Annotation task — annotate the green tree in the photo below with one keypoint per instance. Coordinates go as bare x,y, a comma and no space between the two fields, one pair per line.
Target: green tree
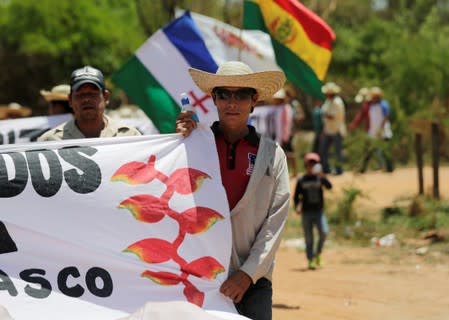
44,41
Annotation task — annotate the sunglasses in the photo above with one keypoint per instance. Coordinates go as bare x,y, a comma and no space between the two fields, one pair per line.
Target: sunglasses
239,95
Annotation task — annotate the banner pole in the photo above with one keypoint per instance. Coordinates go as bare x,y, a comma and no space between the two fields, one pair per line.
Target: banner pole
242,12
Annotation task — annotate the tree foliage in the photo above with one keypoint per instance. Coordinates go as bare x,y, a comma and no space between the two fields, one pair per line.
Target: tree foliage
43,41
402,49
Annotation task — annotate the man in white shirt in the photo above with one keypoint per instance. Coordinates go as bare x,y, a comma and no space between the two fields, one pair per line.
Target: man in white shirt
334,127
379,131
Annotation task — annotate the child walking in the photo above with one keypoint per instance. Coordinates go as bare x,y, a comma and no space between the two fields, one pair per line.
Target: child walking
309,203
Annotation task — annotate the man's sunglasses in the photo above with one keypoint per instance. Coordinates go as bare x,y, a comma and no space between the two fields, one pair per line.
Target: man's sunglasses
239,95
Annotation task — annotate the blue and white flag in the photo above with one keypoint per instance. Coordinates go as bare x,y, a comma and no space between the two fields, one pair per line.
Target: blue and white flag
156,75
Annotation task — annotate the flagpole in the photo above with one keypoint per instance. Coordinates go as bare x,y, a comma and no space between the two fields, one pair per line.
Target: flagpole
242,12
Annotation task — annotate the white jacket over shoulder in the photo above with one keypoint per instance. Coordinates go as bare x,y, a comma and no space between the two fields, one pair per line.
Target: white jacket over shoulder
259,217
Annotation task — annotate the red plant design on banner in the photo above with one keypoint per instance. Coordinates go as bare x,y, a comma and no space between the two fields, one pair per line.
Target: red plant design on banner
150,209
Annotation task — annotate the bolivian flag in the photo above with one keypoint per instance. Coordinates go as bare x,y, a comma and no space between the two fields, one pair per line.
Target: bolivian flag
302,41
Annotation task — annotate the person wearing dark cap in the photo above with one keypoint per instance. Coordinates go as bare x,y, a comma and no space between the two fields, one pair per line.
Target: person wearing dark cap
88,98
254,173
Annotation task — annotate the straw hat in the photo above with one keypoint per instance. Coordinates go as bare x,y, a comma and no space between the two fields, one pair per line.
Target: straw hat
238,74
362,95
58,93
376,92
14,110
330,88
280,94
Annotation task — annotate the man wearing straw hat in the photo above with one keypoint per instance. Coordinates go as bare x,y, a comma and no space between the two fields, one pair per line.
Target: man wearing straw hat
88,98
14,110
255,176
363,98
334,127
58,99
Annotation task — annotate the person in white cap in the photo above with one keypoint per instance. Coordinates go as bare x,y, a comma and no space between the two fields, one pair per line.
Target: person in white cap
378,131
288,126
255,176
363,98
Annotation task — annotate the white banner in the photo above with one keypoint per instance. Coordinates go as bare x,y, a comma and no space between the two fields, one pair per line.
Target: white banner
25,130
95,228
143,124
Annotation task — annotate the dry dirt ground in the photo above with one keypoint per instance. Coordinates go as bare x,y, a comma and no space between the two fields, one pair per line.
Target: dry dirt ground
366,283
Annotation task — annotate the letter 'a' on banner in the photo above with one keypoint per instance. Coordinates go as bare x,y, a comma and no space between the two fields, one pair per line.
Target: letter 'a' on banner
97,228
302,41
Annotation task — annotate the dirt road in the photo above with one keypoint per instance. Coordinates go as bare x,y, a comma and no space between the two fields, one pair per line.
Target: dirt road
366,283
359,284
